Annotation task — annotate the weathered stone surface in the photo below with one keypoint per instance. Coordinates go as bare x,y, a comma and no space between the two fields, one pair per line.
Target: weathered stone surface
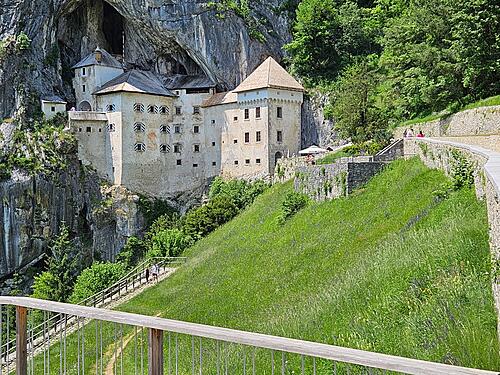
339,179
478,121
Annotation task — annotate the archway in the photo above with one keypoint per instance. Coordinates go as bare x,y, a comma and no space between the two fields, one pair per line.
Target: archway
85,106
277,157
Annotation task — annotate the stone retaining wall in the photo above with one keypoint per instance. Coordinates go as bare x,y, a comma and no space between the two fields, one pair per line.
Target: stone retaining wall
329,181
439,154
477,121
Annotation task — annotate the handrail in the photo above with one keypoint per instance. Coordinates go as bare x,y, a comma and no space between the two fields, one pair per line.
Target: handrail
102,295
301,347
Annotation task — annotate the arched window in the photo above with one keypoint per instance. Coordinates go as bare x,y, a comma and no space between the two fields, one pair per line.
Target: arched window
139,127
153,109
139,107
165,149
111,128
164,110
110,108
139,147
277,157
165,129
85,106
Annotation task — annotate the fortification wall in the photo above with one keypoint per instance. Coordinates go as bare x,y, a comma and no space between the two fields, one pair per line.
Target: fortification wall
486,164
477,121
330,181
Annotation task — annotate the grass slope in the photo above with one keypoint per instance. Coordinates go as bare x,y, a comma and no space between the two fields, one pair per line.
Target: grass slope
387,270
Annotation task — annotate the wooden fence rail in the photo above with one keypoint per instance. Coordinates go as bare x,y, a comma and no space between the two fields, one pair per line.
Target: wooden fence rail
158,326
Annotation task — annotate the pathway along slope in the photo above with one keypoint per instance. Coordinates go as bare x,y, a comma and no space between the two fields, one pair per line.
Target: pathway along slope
486,163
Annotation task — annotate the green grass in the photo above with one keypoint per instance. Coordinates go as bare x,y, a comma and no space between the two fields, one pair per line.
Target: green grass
488,102
330,158
388,269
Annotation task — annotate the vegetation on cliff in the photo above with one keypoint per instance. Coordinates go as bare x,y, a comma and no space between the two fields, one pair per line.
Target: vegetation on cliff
386,61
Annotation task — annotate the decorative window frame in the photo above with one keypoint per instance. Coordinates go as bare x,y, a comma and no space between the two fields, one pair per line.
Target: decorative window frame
139,107
140,147
139,127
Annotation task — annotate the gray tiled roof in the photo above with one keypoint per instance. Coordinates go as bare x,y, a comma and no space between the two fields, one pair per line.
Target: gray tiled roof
107,60
135,81
188,82
53,99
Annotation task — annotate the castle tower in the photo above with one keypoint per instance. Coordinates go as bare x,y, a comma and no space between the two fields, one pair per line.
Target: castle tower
92,72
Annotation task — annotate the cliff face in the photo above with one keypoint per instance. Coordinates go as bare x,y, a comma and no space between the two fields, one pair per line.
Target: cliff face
164,36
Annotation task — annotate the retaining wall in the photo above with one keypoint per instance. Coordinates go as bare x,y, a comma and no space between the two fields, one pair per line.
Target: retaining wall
477,121
339,179
438,154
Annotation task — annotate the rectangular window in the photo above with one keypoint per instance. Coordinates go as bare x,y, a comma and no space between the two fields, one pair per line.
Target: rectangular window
279,136
83,88
279,112
196,148
178,111
236,162
257,161
214,164
257,112
177,129
84,72
179,162
195,165
247,114
53,109
247,137
235,141
89,129
196,129
177,148
247,161
213,144
213,122
235,118
196,110
258,137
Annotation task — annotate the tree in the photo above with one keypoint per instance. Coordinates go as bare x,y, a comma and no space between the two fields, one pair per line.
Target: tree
63,265
327,37
353,104
169,243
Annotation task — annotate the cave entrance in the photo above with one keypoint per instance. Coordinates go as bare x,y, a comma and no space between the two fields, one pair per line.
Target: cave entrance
112,28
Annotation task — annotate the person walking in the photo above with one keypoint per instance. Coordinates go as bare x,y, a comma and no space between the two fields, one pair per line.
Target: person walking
147,275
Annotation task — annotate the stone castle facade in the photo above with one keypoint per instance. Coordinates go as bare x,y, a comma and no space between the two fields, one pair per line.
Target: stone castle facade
162,138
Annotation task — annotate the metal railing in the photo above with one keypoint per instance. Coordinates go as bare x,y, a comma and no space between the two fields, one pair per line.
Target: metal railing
52,323
125,343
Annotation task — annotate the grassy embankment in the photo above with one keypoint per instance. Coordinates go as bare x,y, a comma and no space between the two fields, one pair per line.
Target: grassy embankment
388,269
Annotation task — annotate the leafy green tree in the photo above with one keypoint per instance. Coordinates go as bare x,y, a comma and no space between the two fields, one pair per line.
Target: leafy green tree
45,287
354,104
133,250
327,36
169,242
241,192
96,278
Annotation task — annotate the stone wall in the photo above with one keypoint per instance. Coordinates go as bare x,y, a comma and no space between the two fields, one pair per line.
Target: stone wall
339,179
477,121
438,154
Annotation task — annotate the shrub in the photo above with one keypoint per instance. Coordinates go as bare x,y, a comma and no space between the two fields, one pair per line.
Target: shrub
203,220
45,286
292,204
23,42
169,242
96,278
241,192
133,250
462,170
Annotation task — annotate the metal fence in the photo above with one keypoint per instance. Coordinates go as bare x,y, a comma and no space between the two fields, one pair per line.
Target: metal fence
48,326
112,342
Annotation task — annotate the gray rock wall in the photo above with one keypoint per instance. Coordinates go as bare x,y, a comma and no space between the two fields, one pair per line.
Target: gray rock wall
477,121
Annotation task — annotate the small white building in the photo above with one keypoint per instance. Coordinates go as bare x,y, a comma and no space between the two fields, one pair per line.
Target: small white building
52,105
163,138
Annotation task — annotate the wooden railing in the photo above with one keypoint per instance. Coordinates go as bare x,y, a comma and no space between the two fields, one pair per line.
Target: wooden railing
53,323
181,347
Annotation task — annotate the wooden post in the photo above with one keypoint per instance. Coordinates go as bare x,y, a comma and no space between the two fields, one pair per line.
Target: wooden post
21,341
155,352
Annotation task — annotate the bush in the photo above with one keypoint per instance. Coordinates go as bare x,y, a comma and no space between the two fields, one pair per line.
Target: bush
96,278
292,204
133,250
462,171
169,243
241,192
205,219
45,286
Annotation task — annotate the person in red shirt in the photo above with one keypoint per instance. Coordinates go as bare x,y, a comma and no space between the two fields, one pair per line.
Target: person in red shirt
420,134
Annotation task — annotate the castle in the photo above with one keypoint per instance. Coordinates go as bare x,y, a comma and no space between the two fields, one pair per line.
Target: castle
164,138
